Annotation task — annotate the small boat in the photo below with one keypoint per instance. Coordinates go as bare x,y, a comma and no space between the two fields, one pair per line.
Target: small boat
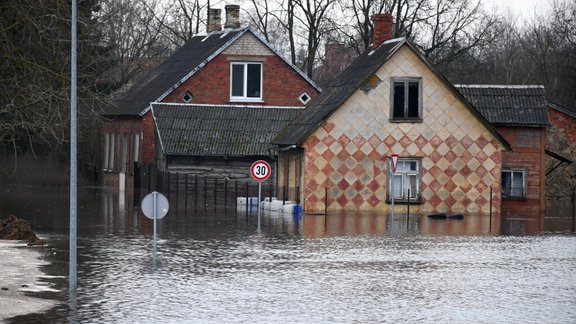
438,216
456,216
444,216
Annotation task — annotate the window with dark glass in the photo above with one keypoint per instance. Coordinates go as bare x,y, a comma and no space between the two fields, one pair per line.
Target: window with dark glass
513,183
406,99
246,81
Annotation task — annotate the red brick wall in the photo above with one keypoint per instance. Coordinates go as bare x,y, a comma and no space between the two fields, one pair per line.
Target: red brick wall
564,122
528,145
147,146
211,85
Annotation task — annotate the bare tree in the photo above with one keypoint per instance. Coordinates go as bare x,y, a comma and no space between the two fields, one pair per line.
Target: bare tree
132,30
314,16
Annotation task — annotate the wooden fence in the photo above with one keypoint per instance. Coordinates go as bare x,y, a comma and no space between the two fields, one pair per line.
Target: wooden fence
561,212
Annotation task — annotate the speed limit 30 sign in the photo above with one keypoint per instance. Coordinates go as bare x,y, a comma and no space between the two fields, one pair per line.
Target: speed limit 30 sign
260,170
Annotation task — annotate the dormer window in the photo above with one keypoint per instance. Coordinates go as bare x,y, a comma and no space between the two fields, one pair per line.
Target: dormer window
245,81
187,96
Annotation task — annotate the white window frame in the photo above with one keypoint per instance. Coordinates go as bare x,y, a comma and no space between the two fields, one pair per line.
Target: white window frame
304,101
406,81
402,192
106,151
187,93
112,156
244,97
512,171
136,149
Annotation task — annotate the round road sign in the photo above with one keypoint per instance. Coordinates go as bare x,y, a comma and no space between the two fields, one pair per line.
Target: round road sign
162,205
260,170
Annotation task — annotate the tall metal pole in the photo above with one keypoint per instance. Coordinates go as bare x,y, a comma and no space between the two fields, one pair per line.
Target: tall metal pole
392,198
73,156
259,203
155,216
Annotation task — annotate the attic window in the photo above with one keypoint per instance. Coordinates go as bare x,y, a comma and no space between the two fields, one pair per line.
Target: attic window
187,96
304,98
246,81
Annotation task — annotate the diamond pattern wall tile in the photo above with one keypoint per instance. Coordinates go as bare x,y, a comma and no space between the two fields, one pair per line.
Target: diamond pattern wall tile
461,160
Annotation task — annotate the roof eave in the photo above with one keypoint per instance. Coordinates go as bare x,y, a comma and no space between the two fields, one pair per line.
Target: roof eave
302,138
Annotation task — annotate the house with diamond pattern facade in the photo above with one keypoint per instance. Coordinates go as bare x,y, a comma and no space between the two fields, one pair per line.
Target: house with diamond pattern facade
391,101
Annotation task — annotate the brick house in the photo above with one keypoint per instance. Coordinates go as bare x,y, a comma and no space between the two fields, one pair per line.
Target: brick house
561,174
223,69
519,113
391,101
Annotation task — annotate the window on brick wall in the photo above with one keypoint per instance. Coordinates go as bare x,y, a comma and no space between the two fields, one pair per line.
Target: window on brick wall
106,151
406,101
112,155
407,180
245,81
514,183
136,149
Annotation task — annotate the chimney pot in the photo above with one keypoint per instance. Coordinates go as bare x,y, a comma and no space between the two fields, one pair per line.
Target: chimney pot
214,20
383,29
232,16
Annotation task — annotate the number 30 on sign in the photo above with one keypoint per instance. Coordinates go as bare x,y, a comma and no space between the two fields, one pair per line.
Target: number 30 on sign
260,170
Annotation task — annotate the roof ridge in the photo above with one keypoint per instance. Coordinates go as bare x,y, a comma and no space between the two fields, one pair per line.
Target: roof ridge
222,105
499,86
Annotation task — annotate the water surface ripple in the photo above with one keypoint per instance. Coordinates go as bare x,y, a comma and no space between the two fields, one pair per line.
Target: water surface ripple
353,279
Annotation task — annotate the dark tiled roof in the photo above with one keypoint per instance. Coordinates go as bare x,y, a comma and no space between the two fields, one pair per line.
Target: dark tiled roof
335,94
571,112
190,56
508,105
209,130
348,82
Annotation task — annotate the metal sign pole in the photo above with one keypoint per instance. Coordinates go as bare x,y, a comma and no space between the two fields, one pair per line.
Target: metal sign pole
155,198
73,268
259,202
392,198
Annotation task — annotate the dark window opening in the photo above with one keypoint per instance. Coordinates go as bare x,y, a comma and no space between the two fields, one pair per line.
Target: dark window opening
406,99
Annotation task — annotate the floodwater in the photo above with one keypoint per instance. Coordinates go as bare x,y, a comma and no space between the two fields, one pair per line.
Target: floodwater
216,266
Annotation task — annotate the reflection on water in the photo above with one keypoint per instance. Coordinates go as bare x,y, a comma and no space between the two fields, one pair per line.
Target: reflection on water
214,266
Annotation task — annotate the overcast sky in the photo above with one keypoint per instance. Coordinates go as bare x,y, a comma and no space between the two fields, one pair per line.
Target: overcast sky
525,9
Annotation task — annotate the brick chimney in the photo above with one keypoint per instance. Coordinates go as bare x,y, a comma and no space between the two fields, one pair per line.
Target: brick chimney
232,16
214,20
383,29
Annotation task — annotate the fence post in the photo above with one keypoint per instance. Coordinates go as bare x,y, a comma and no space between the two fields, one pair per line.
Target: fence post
225,193
205,185
247,199
215,191
195,191
186,193
271,193
325,200
573,209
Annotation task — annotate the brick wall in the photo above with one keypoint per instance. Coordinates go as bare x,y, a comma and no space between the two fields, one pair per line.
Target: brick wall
148,144
282,86
528,144
564,122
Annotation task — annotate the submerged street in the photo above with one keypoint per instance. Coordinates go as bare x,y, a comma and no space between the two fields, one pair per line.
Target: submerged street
215,266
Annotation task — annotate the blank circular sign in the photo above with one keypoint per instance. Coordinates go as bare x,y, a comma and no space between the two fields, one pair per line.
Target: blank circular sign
162,205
